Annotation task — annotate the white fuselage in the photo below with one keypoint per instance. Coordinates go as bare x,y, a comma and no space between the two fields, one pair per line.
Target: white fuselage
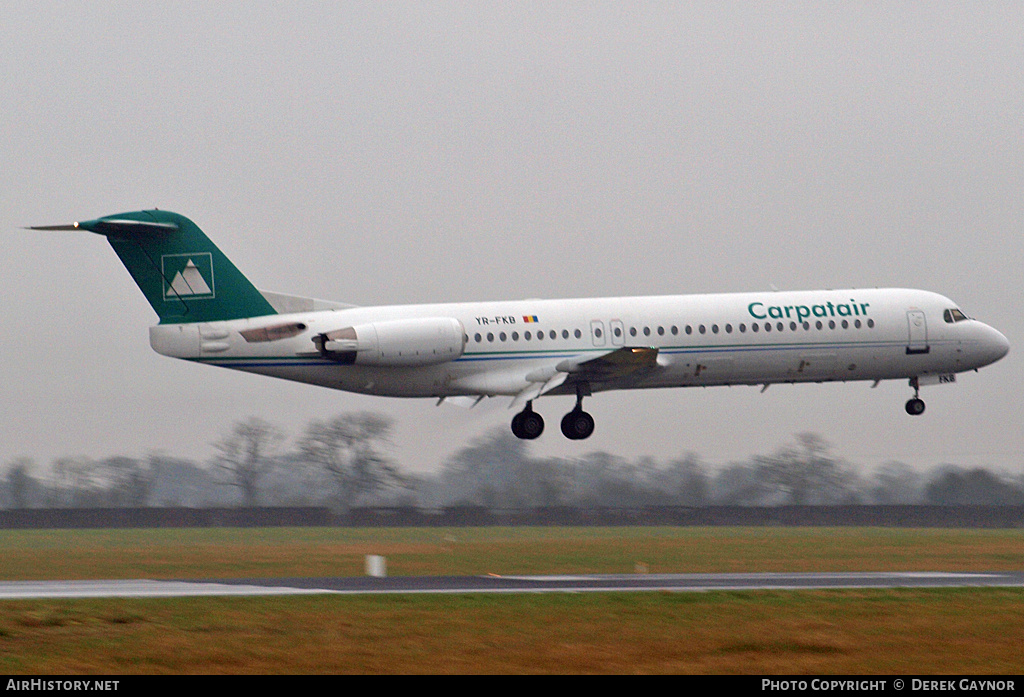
506,346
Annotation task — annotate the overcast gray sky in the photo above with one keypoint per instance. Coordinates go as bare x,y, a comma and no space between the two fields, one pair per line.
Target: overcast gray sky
399,152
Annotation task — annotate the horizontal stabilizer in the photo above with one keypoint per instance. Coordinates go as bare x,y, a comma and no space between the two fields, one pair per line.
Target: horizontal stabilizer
72,226
114,227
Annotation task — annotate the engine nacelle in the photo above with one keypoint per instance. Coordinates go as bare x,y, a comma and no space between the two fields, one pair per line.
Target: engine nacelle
400,342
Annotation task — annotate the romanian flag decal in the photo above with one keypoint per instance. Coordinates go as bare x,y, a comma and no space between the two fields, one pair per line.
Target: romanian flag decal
529,319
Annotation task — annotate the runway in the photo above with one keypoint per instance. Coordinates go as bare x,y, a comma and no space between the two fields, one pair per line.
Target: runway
367,585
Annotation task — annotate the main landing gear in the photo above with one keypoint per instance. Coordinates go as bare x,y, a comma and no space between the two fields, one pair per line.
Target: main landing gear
915,405
527,424
576,425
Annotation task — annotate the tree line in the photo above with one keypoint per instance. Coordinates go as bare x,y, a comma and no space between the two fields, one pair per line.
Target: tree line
343,463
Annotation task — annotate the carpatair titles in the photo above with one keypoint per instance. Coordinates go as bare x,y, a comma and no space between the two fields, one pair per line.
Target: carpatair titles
759,310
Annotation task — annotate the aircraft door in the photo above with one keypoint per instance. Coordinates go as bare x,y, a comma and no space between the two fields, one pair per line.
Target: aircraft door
917,332
618,332
597,332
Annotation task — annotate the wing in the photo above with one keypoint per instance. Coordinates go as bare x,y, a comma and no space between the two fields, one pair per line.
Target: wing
616,365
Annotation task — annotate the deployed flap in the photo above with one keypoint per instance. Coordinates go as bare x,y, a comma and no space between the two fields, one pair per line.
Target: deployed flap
536,389
611,365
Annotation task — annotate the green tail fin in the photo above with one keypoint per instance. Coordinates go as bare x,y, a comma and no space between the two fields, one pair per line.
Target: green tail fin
182,273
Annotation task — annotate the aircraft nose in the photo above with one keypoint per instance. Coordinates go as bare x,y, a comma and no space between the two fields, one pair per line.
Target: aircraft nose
994,344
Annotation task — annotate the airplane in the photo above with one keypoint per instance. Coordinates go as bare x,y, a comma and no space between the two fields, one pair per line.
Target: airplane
524,349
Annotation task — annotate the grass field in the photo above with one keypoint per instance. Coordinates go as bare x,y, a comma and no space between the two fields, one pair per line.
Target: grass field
897,631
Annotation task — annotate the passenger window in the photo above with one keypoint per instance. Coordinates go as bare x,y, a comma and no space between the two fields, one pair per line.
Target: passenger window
565,333
478,338
578,333
502,336
675,330
515,336
661,331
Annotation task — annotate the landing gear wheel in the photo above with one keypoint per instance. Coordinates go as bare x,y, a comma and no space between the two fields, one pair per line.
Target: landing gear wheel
577,425
915,406
527,424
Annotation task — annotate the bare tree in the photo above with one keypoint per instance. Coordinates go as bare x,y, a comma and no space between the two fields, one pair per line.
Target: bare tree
496,470
128,482
685,481
603,479
956,486
246,455
738,484
806,472
74,481
896,483
348,449
179,482
20,483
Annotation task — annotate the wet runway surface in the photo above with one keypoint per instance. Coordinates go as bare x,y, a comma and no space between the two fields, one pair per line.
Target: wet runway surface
140,588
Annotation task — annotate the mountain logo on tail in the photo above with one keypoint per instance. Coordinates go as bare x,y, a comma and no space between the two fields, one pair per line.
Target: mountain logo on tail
188,276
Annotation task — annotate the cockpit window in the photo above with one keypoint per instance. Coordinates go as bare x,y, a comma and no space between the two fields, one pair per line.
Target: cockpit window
953,315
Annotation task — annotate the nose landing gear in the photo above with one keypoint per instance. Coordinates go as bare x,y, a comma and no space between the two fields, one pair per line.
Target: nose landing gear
915,405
